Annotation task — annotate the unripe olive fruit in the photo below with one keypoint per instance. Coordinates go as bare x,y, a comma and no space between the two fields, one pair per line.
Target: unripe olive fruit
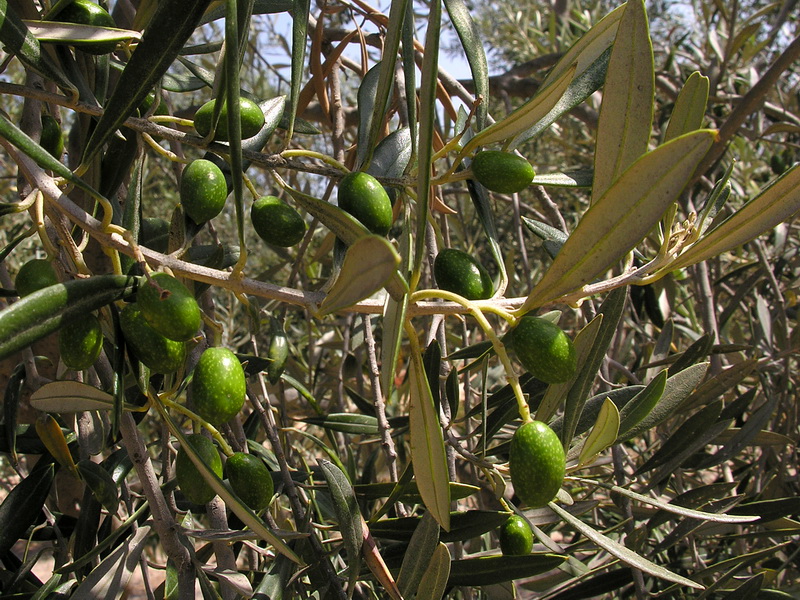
250,480
276,222
218,386
190,481
537,463
516,537
35,275
502,172
159,354
458,272
251,118
361,195
84,12
80,342
169,307
544,350
203,190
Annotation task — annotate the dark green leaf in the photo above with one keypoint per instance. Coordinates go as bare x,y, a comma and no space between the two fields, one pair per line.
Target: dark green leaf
641,405
347,513
11,400
553,238
100,482
391,157
487,570
153,56
22,506
463,526
424,542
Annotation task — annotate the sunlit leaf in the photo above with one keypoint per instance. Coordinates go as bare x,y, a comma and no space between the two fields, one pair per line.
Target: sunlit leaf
70,396
348,515
626,114
476,55
369,263
603,433
417,558
621,552
427,446
435,579
622,217
690,107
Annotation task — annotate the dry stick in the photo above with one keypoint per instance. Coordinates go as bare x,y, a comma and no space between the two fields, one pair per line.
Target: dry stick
387,443
706,298
165,525
298,510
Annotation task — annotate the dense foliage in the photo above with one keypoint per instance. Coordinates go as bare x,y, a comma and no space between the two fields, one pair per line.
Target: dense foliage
233,365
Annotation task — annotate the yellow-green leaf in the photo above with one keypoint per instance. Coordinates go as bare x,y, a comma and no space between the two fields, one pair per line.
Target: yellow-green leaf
434,581
369,263
427,446
589,46
603,434
525,116
690,106
55,31
70,396
626,114
770,208
623,216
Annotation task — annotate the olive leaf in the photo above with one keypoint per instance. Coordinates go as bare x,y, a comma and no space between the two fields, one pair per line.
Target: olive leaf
71,396
621,552
603,434
54,31
626,113
418,556
370,262
690,107
771,207
427,446
435,580
23,504
619,220
486,570
348,515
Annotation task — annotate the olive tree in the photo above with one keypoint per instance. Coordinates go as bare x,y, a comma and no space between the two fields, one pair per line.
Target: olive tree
289,311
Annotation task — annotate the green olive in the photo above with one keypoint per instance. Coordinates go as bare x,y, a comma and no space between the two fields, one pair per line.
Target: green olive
458,272
169,307
218,386
361,195
203,190
251,118
502,172
35,275
544,350
537,463
190,481
276,222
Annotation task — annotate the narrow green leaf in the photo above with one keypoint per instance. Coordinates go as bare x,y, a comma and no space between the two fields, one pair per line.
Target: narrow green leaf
260,7
677,389
100,482
169,28
690,107
674,508
348,515
622,217
556,392
23,504
427,118
476,56
770,208
366,107
637,409
385,82
391,157
699,349
627,556
488,570
394,316
436,577
603,434
485,211
418,555
301,10
527,115
369,264
355,424
11,400
611,309
626,113
20,42
684,437
45,311
720,383
580,88
589,46
749,589
427,446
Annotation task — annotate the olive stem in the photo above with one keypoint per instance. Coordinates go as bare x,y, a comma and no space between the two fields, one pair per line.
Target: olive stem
160,402
475,310
162,151
450,177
